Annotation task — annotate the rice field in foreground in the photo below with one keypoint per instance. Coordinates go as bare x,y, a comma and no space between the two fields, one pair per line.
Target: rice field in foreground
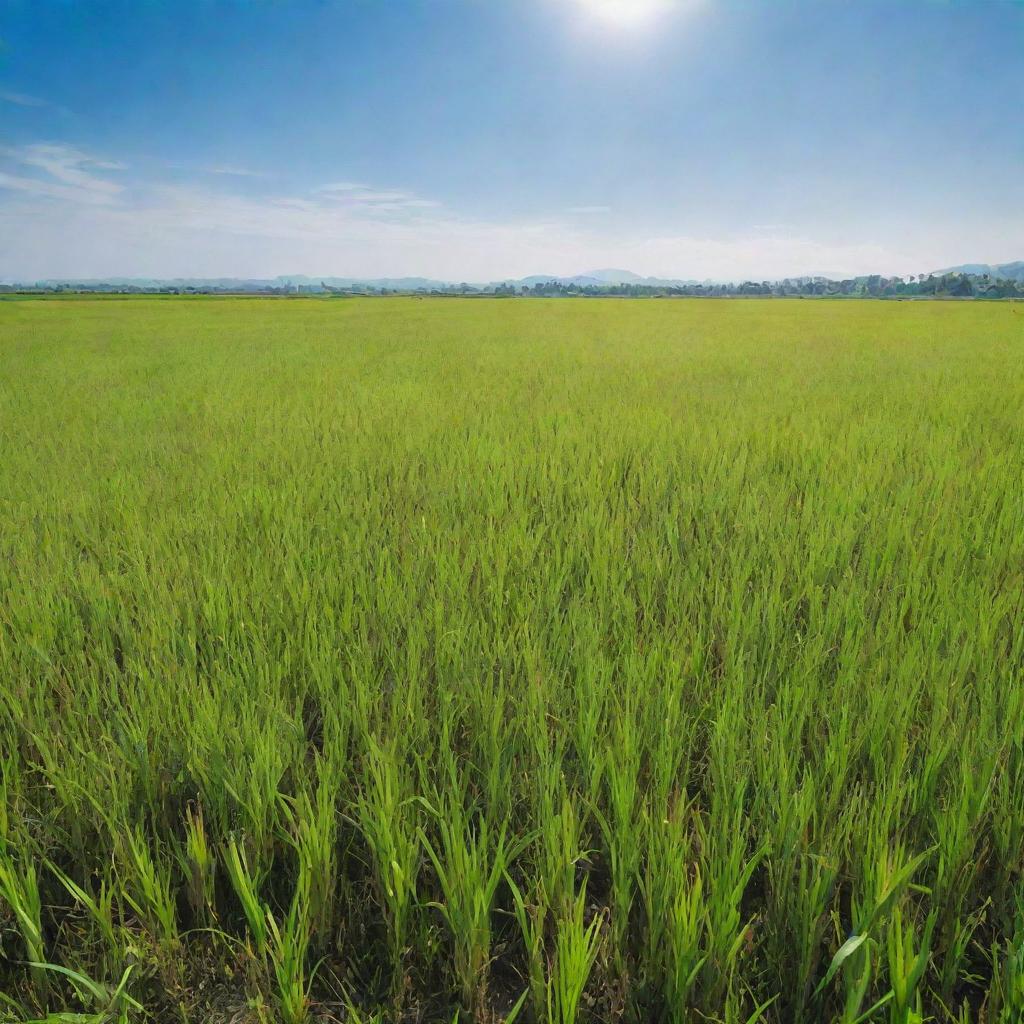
403,660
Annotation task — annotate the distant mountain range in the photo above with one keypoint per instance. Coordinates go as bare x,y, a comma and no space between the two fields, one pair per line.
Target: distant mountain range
596,278
404,284
1004,271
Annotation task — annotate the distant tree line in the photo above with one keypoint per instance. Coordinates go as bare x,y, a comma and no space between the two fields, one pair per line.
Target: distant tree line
873,286
966,286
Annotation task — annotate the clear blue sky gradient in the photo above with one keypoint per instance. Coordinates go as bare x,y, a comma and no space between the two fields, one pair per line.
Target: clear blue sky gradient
503,138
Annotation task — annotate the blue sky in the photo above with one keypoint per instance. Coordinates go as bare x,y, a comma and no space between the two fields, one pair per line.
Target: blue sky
479,140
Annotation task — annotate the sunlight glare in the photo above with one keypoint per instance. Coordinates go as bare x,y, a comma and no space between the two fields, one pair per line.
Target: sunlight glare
625,13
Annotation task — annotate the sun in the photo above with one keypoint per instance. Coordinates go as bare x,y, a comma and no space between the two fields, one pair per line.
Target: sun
625,13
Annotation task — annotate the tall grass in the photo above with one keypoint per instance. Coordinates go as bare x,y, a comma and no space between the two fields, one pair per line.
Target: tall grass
602,661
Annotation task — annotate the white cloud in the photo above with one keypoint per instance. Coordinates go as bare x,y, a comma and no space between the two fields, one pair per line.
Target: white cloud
343,186
68,173
233,171
19,183
356,195
587,210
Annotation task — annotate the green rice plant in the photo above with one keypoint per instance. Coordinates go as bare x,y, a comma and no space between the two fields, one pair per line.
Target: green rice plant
810,890
198,862
10,778
19,887
576,946
958,824
727,870
495,746
312,825
241,765
854,957
685,960
386,812
675,914
282,948
736,1010
248,895
1005,1002
1006,823
110,1003
531,914
287,949
559,846
147,888
556,854
101,909
621,833
888,873
470,859
907,967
